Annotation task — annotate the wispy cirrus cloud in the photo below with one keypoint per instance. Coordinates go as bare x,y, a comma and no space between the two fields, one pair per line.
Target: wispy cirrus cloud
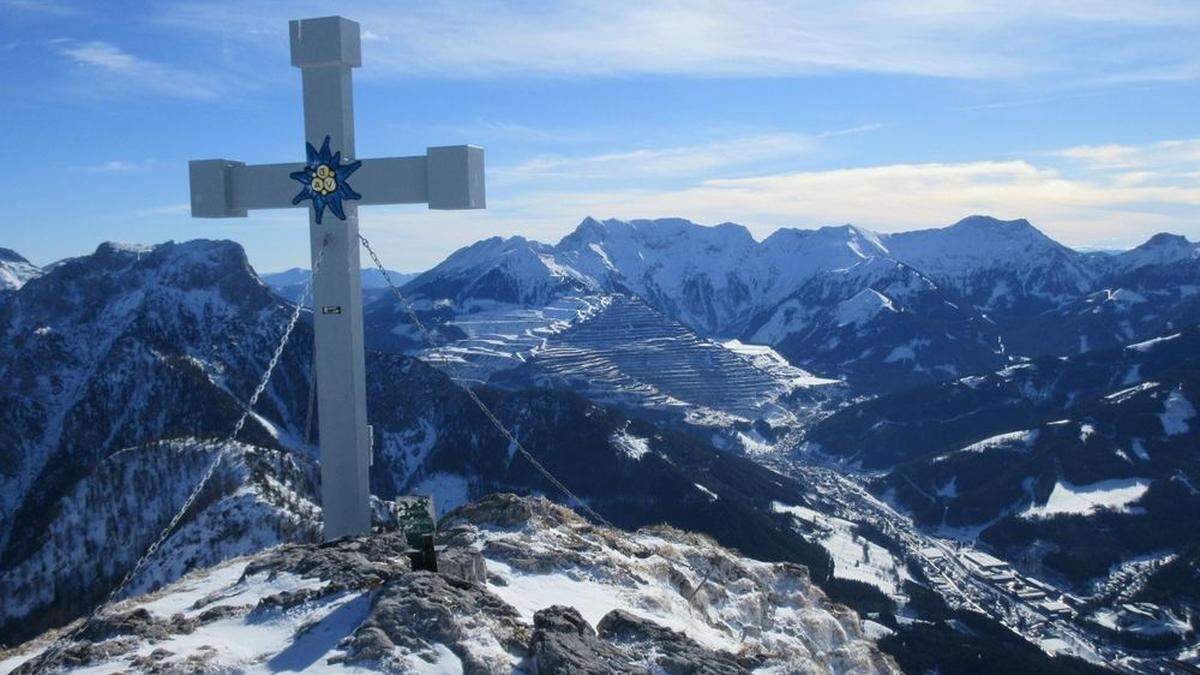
668,162
111,72
1092,41
754,151
38,7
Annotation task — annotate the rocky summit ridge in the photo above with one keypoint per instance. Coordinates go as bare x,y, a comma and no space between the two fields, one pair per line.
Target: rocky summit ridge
524,586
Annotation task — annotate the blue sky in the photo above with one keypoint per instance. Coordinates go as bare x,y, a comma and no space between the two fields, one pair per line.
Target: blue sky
1082,116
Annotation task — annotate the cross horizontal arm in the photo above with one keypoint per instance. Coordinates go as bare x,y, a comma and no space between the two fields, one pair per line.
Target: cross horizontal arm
447,177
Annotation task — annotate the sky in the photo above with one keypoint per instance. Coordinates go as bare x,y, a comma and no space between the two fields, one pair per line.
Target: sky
1083,117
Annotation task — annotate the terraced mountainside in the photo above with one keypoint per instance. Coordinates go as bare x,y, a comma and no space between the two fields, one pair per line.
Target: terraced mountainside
627,352
613,348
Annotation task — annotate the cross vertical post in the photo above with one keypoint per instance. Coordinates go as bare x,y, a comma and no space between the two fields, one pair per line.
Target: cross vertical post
325,50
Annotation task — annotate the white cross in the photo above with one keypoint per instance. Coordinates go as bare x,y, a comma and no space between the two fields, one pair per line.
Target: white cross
448,177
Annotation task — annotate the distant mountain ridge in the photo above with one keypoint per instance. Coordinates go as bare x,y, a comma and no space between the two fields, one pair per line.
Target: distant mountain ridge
289,283
959,299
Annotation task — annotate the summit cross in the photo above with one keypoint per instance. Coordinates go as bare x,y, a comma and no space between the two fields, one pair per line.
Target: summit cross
331,183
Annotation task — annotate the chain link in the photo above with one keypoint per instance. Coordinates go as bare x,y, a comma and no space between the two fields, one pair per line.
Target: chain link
462,384
247,410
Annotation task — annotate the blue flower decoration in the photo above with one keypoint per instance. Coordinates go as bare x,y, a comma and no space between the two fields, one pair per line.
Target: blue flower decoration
324,179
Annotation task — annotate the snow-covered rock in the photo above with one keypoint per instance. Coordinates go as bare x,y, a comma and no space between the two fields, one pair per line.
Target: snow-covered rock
560,596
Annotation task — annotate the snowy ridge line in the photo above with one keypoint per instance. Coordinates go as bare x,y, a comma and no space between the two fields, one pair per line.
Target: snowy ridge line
57,646
508,435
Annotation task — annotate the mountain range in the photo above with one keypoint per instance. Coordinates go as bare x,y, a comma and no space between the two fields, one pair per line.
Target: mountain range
882,312
989,385
112,352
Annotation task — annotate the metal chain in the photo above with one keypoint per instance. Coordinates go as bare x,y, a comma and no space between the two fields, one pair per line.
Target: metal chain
247,410
462,384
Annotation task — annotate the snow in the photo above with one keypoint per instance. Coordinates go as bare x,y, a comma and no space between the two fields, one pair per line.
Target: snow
1012,440
1123,296
950,489
875,630
632,446
862,308
1139,449
1125,394
1151,344
712,496
687,585
301,638
767,359
1086,431
15,274
441,662
992,257
853,556
1177,410
788,317
1141,619
528,593
1109,495
449,491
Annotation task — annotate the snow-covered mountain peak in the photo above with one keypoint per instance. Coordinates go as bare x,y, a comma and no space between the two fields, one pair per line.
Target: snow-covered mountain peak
982,223
9,255
997,264
15,270
980,239
806,252
1161,249
497,270
1166,239
119,247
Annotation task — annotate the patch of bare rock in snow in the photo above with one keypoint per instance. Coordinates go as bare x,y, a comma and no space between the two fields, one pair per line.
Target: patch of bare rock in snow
524,586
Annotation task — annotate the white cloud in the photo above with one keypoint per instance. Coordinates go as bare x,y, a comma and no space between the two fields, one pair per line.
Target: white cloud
115,73
1174,155
1096,40
111,166
671,162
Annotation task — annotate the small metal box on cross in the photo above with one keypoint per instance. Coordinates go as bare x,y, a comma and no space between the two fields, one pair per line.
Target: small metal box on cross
332,181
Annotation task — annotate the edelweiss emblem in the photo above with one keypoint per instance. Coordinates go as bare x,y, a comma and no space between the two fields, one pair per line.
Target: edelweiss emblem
324,180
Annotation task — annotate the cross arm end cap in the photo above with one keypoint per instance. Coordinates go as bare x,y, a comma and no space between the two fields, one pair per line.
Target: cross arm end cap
326,41
211,186
455,177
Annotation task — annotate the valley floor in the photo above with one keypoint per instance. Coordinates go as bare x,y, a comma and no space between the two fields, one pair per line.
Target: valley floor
962,575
